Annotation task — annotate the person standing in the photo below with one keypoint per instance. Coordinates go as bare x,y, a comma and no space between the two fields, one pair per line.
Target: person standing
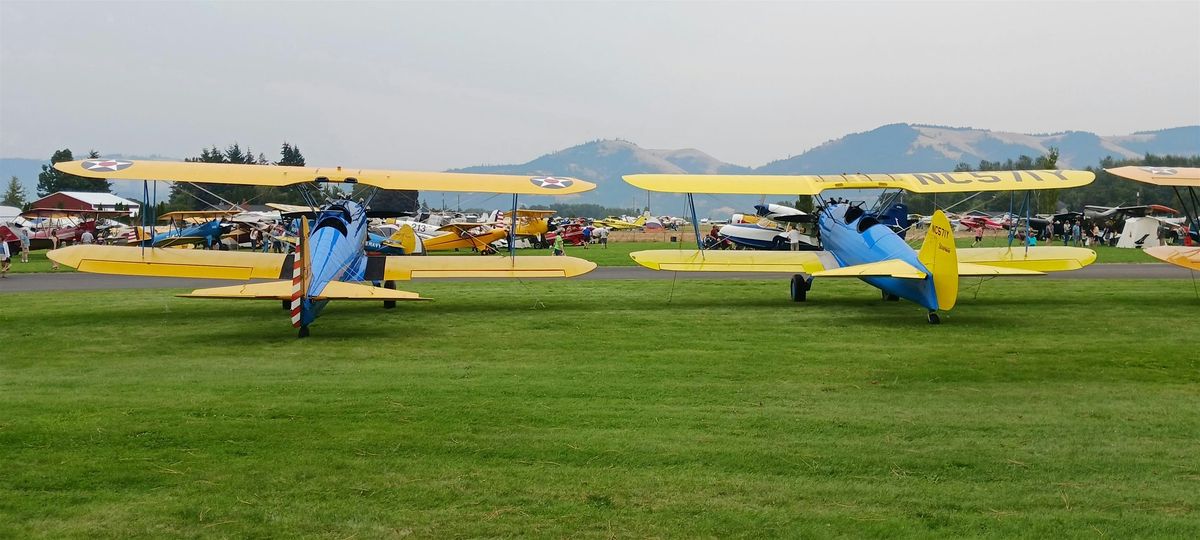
5,259
1076,232
23,235
587,236
87,237
53,246
558,245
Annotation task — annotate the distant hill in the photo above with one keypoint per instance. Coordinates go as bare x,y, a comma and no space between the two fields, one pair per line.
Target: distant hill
890,148
604,162
915,147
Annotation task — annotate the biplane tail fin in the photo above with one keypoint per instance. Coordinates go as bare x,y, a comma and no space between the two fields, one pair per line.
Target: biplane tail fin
407,239
300,267
940,257
140,234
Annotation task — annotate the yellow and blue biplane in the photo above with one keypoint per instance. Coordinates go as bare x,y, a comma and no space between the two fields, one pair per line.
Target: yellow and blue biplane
330,262
1174,177
185,228
855,243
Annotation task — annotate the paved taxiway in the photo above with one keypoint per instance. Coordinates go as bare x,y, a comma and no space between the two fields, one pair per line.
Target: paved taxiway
76,281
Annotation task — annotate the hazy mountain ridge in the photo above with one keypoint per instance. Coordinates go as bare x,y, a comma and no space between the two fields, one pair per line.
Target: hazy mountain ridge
889,148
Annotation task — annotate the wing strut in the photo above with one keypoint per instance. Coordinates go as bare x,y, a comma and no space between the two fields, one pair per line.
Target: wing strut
512,230
695,223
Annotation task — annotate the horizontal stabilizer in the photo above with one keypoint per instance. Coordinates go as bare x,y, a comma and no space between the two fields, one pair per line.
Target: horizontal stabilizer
537,266
189,263
890,268
976,270
691,260
282,290
1036,258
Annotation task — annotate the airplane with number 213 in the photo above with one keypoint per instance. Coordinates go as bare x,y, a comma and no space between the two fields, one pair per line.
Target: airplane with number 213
330,260
856,245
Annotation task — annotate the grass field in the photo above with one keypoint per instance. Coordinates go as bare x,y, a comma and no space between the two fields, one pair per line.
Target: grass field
605,408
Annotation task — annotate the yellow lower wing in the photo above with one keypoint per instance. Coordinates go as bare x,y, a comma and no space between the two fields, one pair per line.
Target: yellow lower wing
1038,258
976,270
890,268
405,268
1187,257
136,261
691,260
282,290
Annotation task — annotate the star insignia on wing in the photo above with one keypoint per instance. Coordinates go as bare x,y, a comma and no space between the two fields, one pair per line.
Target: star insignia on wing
110,165
551,182
1162,171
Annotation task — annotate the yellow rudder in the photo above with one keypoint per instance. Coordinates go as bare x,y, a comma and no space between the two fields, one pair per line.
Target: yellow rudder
940,257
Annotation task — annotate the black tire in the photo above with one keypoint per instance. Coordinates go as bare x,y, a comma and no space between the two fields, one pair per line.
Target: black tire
389,304
304,331
287,305
799,288
887,297
933,318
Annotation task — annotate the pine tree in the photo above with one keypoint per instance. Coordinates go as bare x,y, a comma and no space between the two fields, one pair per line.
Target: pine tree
15,194
52,180
290,156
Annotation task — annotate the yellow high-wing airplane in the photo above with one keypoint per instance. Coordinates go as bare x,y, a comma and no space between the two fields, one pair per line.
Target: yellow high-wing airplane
330,261
618,224
1176,178
474,236
858,245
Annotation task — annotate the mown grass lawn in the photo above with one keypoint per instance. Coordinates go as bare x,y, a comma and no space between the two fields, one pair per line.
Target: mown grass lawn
605,408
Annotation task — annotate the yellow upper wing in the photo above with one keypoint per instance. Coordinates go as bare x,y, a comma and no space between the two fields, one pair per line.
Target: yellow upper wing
271,175
1160,176
135,261
750,184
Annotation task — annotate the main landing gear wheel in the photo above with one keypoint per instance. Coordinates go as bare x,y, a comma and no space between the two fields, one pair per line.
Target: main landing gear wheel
933,318
287,304
889,297
800,286
389,304
304,331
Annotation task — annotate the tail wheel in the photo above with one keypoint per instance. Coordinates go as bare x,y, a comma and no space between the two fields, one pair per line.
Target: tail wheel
800,287
933,318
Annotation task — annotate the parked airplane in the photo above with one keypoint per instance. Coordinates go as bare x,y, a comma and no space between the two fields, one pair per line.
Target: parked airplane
1187,178
857,245
763,233
618,224
330,258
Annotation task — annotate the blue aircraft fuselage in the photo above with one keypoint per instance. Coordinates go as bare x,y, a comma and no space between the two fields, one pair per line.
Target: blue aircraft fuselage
210,231
335,249
853,238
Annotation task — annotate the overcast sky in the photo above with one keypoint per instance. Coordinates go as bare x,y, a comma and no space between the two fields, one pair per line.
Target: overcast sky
434,86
